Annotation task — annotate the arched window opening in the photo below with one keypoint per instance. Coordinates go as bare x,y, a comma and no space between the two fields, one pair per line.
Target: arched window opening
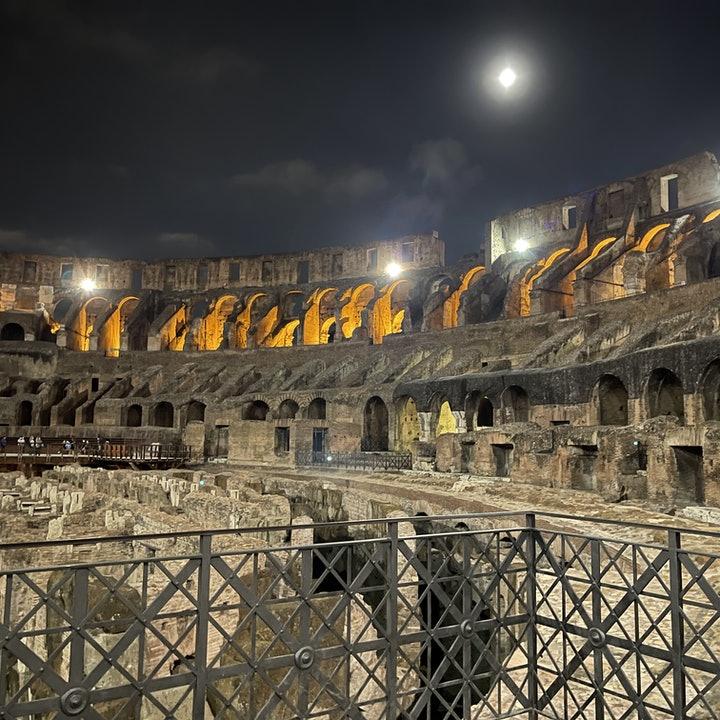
408,423
479,411
665,394
516,404
612,398
13,332
164,415
255,410
196,411
133,417
485,413
288,409
25,413
446,422
317,409
375,425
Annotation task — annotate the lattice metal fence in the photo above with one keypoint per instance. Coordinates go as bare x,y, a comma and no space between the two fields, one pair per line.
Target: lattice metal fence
485,616
355,461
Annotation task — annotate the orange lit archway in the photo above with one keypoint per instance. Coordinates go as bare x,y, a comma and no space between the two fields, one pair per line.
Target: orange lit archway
712,216
649,236
213,324
532,274
82,327
110,334
451,306
317,318
244,319
387,319
356,300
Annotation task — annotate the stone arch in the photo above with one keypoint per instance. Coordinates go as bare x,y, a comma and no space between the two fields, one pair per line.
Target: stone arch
12,331
710,391
612,400
713,262
531,275
212,331
664,394
479,411
442,417
328,331
245,320
319,316
113,326
652,239
714,214
84,323
387,316
133,416
408,423
515,404
288,409
255,410
24,414
317,409
196,411
451,306
60,309
356,300
164,414
376,430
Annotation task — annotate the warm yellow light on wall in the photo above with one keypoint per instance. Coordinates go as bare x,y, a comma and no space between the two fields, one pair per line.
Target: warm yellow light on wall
711,216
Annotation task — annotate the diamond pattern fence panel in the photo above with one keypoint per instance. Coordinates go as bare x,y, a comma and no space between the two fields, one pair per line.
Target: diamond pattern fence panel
480,617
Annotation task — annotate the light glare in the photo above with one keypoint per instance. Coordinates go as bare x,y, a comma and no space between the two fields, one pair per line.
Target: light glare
507,77
87,284
393,269
521,245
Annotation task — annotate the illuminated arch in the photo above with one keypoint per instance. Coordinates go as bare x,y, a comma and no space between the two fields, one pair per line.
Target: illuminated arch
599,247
244,320
316,321
649,236
110,334
357,300
712,216
284,337
408,423
451,306
212,330
532,274
386,319
82,327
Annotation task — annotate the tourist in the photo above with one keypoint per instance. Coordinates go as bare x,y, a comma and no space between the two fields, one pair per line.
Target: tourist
3,442
31,444
21,444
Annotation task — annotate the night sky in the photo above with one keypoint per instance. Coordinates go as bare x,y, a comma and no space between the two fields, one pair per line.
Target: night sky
156,129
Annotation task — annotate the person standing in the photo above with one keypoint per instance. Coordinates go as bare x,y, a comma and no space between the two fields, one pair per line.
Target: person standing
21,444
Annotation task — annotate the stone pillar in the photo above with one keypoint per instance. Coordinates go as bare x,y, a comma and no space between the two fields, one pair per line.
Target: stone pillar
425,422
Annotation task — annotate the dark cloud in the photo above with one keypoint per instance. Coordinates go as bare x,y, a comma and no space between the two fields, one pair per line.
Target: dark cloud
302,176
155,128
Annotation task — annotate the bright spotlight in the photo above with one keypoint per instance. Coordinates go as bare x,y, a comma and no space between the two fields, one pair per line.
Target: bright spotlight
393,269
88,285
507,77
521,245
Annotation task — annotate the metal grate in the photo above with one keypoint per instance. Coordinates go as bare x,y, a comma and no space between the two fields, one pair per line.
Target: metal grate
484,616
355,461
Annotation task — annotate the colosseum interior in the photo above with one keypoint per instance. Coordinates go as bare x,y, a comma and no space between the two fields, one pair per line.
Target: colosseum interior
572,372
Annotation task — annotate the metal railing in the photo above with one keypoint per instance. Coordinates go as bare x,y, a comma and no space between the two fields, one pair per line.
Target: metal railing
483,616
87,453
355,461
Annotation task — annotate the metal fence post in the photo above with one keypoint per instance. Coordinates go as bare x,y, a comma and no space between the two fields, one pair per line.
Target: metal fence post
391,622
678,626
597,620
203,622
531,558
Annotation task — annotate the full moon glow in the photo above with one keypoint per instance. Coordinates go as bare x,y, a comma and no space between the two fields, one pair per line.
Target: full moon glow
507,77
